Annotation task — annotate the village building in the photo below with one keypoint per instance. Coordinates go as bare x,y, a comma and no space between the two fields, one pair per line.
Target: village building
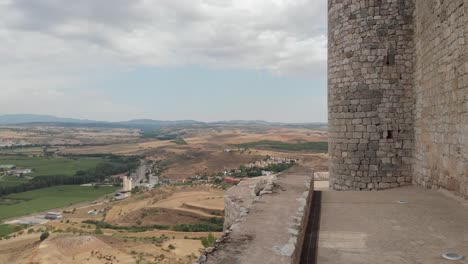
54,215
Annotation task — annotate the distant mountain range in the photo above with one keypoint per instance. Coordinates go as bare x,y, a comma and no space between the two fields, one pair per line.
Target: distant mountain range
28,118
31,119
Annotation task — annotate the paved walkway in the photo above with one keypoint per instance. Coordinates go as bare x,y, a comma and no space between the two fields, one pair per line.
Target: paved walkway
371,227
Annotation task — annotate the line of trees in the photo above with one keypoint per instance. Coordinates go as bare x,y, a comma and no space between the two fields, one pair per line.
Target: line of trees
257,171
210,225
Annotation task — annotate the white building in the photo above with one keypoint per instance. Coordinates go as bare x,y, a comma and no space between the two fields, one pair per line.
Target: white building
53,215
127,184
7,167
19,172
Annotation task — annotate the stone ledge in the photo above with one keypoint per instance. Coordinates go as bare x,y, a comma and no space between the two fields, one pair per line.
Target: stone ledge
266,220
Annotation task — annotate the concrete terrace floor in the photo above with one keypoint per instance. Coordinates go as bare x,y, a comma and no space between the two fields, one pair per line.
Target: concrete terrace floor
371,227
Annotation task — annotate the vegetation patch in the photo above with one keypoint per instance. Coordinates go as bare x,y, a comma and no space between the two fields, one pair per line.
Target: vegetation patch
208,241
44,166
257,171
179,141
104,225
158,134
321,147
50,198
6,230
211,225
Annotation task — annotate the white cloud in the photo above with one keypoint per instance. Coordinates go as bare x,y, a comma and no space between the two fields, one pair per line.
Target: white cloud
280,36
47,43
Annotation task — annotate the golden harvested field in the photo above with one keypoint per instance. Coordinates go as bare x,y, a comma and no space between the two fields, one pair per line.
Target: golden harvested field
122,245
67,248
43,135
168,206
118,149
227,137
184,247
197,202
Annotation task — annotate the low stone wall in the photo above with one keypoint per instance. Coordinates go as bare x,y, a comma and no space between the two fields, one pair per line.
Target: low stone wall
238,199
321,176
265,220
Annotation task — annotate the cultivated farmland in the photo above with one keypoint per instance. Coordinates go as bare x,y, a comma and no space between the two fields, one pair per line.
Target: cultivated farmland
50,198
52,166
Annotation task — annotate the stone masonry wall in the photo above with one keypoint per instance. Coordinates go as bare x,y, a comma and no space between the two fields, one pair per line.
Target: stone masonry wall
441,91
238,199
370,93
266,220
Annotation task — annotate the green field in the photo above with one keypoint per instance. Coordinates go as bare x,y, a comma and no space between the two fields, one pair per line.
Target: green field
179,141
50,198
43,166
52,166
5,230
300,146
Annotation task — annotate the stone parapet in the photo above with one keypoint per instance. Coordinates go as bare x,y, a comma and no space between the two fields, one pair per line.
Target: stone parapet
266,220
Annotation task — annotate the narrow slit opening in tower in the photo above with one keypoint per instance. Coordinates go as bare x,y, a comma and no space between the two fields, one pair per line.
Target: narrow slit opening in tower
389,134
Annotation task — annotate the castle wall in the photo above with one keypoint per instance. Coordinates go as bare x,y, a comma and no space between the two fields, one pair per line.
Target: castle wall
370,93
441,92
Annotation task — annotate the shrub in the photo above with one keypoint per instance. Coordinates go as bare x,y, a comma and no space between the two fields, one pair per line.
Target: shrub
208,241
44,236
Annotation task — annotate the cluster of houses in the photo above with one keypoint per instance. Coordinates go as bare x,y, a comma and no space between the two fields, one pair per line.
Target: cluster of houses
10,169
270,161
234,150
227,174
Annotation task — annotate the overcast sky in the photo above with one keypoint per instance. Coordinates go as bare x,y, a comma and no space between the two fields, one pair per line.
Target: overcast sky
164,59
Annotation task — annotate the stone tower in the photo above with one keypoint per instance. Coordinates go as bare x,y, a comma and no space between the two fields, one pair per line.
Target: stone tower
370,93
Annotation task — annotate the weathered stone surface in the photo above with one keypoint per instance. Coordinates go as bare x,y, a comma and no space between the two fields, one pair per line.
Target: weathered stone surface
274,228
371,50
398,94
238,199
441,90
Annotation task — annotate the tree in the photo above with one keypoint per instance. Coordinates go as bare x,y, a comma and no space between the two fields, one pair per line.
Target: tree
44,236
98,231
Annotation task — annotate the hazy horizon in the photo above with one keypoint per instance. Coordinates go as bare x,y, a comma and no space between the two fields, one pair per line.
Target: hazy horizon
163,120
201,60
